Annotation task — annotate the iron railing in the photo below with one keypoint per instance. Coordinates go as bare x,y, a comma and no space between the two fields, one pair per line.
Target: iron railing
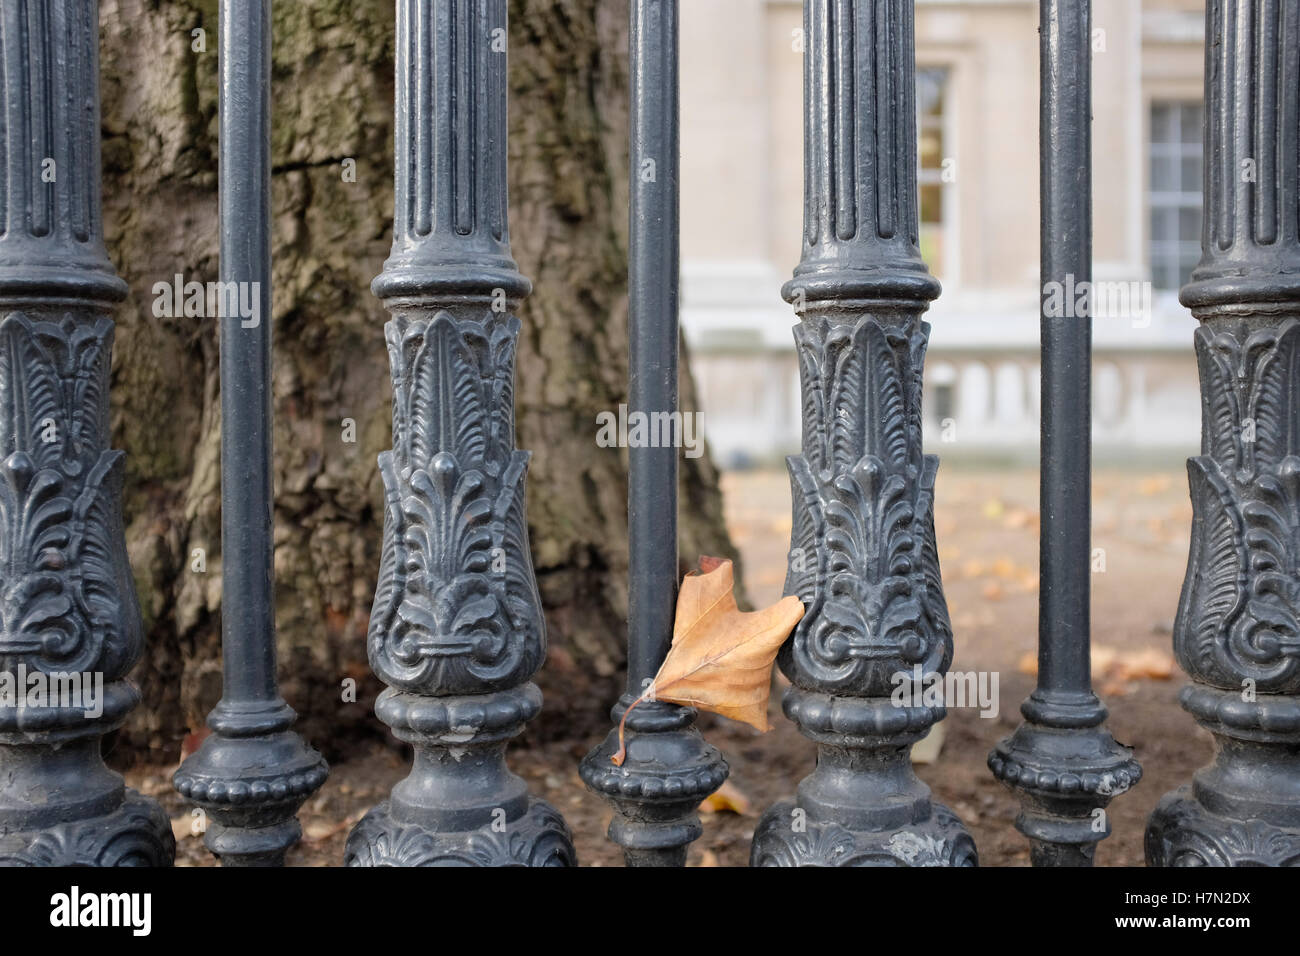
457,630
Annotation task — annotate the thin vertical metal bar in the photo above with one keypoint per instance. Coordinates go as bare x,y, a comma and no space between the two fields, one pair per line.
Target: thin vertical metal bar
653,260
1065,186
253,773
1237,630
247,509
669,768
863,558
456,630
1064,764
68,600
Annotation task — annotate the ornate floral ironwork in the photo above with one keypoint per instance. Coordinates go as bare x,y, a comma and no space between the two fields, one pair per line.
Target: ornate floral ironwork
1237,633
456,609
68,608
862,551
456,629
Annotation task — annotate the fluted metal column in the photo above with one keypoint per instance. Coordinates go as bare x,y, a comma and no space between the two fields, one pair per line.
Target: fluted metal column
863,556
253,772
1062,761
68,611
1237,632
669,768
457,629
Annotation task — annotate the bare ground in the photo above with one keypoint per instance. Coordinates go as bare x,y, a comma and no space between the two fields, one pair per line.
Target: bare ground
987,525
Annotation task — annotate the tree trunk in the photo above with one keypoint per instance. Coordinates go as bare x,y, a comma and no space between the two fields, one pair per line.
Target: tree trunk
332,103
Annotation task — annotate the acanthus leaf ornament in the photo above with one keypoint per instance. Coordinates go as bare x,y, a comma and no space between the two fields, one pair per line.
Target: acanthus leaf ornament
456,629
862,550
457,610
68,606
65,603
1237,631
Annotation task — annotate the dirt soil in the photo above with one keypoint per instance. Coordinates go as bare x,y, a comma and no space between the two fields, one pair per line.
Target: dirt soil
987,527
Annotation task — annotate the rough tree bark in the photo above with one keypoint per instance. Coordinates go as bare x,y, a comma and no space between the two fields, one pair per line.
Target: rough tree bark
332,98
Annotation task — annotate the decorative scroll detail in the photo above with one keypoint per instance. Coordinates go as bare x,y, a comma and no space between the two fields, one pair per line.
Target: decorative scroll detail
1239,615
67,598
1237,633
137,834
862,550
456,610
67,602
539,838
940,841
863,559
456,629
1183,833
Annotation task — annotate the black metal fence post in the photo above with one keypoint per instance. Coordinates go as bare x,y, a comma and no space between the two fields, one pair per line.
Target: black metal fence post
1237,632
253,772
1062,761
69,621
863,556
669,768
457,629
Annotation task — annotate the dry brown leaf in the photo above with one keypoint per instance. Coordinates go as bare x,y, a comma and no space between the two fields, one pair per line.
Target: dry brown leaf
1028,664
1148,663
1154,486
721,657
1004,568
182,827
727,798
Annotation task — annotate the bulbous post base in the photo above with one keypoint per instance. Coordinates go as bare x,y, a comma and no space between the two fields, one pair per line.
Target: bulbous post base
538,837
60,805
1181,832
656,793
1243,809
863,805
1065,777
788,836
250,776
460,805
137,833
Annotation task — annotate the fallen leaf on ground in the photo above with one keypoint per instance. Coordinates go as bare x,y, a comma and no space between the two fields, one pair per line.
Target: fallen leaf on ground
183,826
721,657
1149,663
1154,486
1114,668
927,749
1019,519
1004,567
727,798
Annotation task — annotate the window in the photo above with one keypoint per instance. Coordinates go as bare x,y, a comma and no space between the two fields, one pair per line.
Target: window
931,90
1175,192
